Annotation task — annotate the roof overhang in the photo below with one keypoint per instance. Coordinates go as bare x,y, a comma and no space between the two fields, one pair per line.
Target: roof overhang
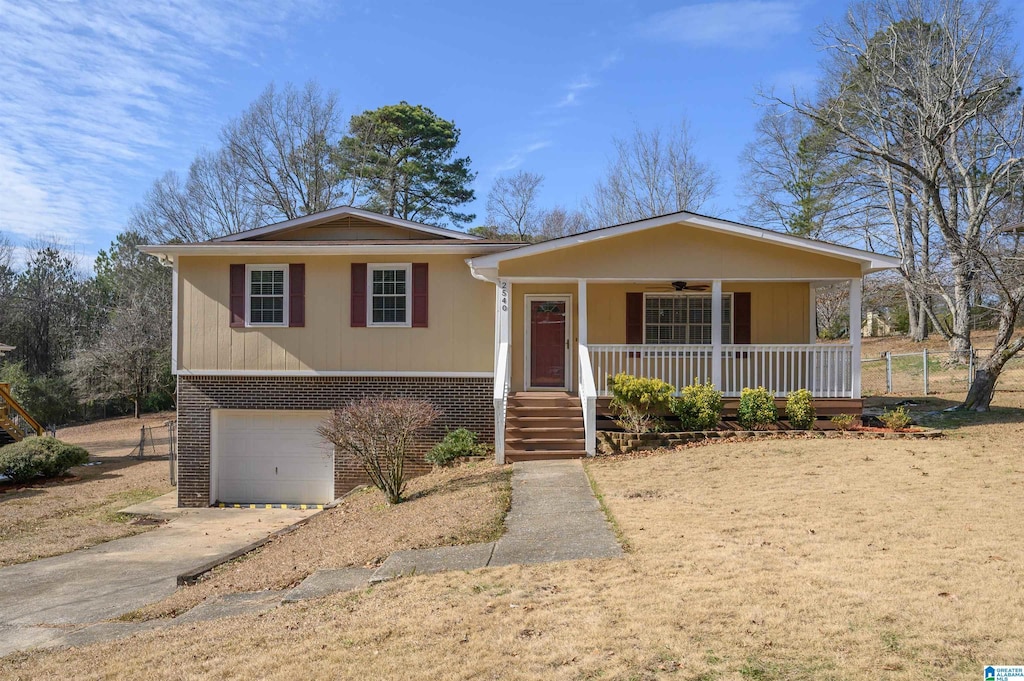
170,252
487,266
333,214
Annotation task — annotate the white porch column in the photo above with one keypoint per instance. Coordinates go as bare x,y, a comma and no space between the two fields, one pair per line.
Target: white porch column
504,312
855,324
812,315
502,363
716,333
582,311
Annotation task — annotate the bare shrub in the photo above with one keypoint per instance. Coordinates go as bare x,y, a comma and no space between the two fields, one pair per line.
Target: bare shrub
378,433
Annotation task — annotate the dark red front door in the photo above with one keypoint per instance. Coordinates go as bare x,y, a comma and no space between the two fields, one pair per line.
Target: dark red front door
547,343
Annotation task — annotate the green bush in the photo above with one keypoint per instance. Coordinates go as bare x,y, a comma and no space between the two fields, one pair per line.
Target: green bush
34,456
843,421
699,406
896,419
757,409
456,443
639,402
800,409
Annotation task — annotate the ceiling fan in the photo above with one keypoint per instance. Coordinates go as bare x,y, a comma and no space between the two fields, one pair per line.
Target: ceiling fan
683,286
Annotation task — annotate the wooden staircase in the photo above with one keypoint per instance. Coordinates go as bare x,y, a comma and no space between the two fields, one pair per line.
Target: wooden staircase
544,425
15,422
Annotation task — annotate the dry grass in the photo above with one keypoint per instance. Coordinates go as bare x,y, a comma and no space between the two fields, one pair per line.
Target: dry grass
781,560
459,505
56,517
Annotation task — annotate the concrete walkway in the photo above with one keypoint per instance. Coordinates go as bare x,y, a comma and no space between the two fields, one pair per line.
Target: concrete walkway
554,517
108,580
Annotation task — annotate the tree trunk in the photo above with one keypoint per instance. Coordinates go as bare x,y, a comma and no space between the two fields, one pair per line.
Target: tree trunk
922,318
914,311
979,397
960,340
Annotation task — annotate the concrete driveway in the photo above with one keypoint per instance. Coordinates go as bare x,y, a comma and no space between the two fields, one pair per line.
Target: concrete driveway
110,579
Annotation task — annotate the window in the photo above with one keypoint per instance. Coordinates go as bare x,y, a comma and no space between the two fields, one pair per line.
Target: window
389,288
683,319
267,291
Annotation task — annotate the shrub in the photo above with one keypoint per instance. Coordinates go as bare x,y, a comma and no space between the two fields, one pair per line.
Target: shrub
757,409
34,456
456,443
896,419
800,409
843,421
639,401
378,432
699,407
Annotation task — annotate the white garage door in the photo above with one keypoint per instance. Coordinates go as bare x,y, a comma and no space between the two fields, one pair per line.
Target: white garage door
263,456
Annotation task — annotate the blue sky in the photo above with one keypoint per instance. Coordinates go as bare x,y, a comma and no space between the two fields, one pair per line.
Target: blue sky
99,98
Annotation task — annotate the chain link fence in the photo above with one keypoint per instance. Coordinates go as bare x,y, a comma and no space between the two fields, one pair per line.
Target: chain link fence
929,372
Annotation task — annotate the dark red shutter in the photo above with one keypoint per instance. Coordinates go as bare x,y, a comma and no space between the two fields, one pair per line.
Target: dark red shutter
297,294
357,312
741,318
237,296
634,318
419,294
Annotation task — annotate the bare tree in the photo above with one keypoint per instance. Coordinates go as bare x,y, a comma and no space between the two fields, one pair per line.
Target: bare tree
512,204
926,94
653,173
378,433
284,145
559,222
795,182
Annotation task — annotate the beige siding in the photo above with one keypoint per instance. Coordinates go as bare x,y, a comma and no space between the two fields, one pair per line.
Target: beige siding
680,252
460,335
350,228
778,310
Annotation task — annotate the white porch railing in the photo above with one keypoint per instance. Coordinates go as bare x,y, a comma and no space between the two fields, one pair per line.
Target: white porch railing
675,364
825,370
588,399
502,381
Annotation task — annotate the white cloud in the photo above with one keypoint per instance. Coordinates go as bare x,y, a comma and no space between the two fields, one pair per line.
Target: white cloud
573,90
516,158
88,91
735,23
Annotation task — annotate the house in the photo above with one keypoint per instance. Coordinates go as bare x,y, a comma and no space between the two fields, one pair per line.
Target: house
875,324
275,326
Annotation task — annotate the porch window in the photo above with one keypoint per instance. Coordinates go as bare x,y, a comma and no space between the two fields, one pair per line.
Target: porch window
267,293
683,319
389,295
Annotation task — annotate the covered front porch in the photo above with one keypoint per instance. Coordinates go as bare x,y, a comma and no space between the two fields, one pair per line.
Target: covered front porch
572,336
679,297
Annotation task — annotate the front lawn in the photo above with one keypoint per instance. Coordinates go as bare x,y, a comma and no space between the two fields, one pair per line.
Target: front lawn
459,505
767,560
57,516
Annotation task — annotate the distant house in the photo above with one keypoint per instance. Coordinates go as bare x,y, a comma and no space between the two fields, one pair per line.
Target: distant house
275,326
4,349
875,324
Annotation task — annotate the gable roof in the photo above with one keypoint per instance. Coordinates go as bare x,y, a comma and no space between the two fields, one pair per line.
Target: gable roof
333,214
868,260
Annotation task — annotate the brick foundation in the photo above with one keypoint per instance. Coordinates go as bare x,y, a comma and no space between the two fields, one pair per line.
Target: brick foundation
464,402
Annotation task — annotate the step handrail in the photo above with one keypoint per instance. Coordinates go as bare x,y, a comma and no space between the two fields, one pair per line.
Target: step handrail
6,398
588,398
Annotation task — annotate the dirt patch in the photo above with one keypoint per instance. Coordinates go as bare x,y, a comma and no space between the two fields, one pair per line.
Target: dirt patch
80,510
460,505
118,436
772,560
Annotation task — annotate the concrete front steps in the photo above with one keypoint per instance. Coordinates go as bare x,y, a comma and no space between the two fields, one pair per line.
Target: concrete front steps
544,425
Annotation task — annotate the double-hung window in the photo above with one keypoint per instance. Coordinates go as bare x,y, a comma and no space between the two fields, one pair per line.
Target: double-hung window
683,319
266,295
390,294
